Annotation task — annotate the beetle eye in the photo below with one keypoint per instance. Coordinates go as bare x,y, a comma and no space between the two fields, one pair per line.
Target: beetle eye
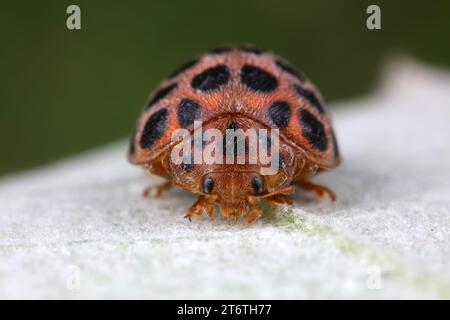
208,185
258,185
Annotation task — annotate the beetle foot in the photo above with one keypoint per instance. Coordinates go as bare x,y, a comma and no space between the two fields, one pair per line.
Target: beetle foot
158,189
280,199
255,213
203,203
317,189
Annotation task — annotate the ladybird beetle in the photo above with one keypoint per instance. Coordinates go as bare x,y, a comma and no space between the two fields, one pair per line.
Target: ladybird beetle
236,88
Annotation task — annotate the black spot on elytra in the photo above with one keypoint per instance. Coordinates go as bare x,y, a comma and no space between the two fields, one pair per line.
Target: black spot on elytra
188,111
251,49
211,79
220,50
257,79
313,130
161,94
311,97
154,128
184,67
335,145
208,185
289,69
257,185
132,146
280,113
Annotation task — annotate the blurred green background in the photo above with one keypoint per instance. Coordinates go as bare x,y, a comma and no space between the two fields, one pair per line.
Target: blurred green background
65,91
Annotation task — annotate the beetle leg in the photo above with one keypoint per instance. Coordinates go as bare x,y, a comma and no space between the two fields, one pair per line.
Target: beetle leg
210,210
255,213
285,191
203,203
317,189
279,199
159,189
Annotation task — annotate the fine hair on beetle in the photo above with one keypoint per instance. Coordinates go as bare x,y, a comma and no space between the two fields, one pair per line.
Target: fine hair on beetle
210,146
213,128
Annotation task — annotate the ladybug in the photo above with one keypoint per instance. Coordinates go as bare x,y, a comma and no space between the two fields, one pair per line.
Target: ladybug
236,88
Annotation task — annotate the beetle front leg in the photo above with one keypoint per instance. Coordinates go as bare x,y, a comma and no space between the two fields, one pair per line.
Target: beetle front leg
255,213
317,189
203,203
280,199
159,189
